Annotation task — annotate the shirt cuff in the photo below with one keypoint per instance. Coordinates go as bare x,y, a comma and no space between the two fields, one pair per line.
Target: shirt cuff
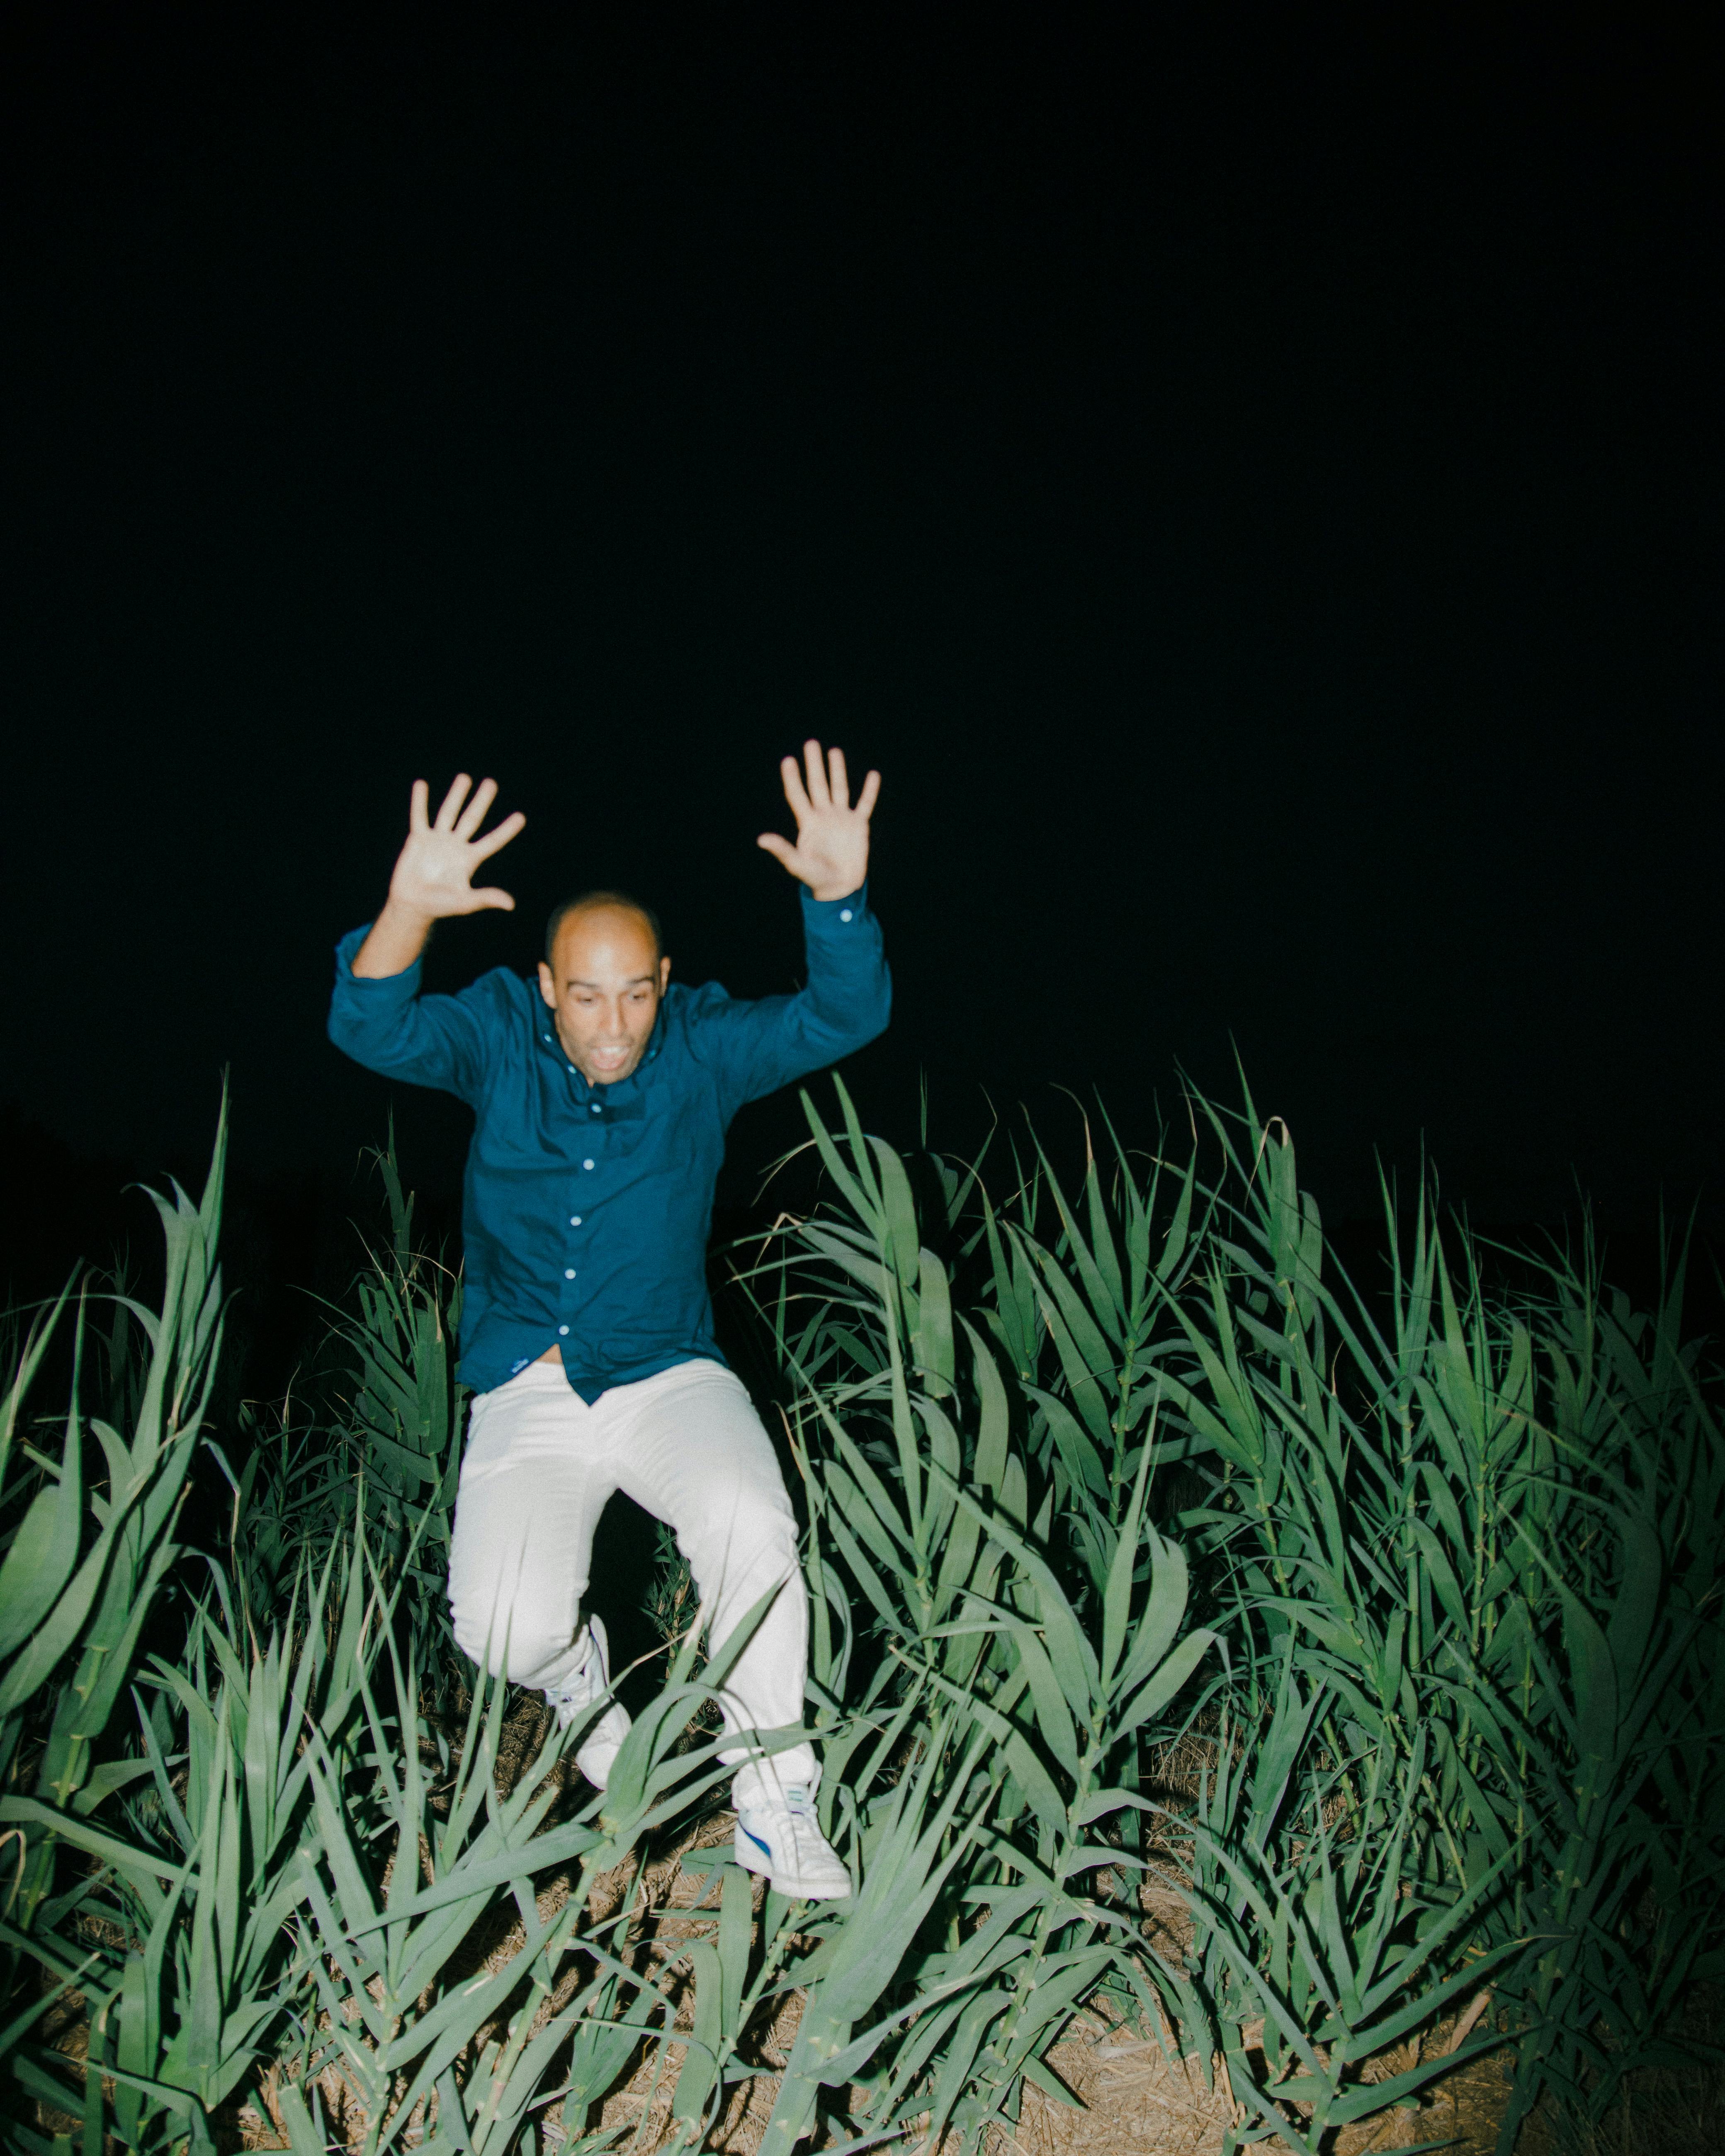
836,912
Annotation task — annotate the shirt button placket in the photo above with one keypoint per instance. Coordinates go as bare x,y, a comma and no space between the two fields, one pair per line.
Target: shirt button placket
595,1108
575,1220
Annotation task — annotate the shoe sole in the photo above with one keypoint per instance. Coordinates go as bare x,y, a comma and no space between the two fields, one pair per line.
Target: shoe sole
753,1854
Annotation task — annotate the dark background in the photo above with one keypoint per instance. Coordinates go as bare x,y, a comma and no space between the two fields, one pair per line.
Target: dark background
1253,490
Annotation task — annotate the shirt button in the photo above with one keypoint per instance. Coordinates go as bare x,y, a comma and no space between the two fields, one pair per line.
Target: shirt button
586,1163
568,1272
845,913
563,1329
574,1219
596,1109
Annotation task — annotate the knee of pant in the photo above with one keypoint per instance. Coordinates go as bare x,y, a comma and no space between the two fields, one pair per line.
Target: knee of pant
759,1549
752,1531
488,1636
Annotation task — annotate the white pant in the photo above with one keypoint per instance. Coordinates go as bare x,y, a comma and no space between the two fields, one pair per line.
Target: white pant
687,1445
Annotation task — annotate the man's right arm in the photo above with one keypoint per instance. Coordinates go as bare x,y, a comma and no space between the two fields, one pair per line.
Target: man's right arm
384,1023
377,1014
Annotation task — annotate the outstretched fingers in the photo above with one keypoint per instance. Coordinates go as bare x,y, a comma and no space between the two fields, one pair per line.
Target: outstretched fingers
492,896
419,807
483,795
485,847
794,792
870,795
452,801
817,770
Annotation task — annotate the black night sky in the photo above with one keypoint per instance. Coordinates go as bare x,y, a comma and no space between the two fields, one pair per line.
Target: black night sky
1256,496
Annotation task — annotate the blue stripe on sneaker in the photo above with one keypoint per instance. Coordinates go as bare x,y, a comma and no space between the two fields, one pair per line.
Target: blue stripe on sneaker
765,1847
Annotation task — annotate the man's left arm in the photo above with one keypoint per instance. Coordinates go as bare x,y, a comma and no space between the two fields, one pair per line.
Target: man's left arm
845,1003
849,995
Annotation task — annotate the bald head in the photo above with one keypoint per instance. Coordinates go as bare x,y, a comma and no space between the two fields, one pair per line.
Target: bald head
603,977
591,900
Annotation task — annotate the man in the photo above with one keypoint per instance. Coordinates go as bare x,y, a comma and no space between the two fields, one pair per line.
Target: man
601,1105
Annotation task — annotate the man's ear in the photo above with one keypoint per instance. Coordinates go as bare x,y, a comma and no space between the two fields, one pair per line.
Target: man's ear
664,974
547,987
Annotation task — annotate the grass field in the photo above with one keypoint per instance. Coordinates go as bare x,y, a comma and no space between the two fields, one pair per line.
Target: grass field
1265,1703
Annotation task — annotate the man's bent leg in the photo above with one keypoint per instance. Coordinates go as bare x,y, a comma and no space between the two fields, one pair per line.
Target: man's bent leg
532,1487
694,1454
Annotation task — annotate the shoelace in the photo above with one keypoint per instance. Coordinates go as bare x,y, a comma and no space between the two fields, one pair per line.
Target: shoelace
582,1689
797,1804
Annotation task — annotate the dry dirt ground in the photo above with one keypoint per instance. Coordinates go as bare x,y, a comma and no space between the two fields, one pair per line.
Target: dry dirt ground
1132,2100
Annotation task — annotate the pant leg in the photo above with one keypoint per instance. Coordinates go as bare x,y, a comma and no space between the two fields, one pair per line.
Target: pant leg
694,1454
533,1484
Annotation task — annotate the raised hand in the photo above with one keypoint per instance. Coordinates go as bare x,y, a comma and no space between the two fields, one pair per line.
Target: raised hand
831,854
433,879
434,872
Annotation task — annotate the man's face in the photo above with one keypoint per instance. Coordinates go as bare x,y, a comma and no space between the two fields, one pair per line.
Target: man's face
603,986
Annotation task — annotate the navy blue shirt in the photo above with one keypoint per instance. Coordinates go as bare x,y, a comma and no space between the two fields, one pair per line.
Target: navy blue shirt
586,1208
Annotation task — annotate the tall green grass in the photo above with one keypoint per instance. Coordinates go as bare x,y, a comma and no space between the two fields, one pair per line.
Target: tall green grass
1423,1575
1464,1552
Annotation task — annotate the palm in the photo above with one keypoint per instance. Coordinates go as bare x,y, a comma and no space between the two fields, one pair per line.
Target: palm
831,851
433,874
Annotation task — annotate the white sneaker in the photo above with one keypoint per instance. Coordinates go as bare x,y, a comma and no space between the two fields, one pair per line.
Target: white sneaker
575,1698
778,1833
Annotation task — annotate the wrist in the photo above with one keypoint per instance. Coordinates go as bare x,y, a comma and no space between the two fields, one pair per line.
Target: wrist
394,944
400,918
